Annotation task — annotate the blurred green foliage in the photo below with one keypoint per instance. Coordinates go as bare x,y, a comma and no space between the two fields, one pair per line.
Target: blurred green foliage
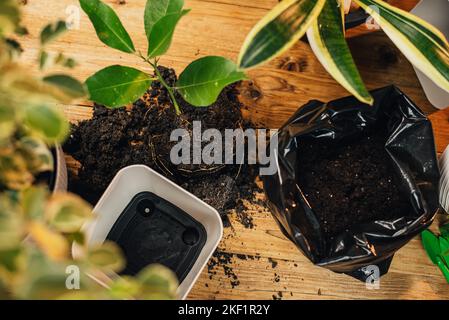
38,227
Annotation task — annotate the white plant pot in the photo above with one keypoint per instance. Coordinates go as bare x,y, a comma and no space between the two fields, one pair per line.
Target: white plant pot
436,12
60,173
136,179
444,180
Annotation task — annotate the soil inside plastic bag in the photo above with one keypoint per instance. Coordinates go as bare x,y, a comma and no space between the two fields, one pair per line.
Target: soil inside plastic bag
354,182
350,184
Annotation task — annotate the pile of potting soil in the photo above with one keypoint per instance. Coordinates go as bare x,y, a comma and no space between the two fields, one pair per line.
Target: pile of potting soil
140,134
351,184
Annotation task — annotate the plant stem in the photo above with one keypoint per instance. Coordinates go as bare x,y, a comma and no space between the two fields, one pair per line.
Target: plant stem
169,89
162,81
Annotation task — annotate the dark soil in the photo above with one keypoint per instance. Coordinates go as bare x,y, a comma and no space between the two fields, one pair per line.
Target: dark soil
224,260
351,184
140,134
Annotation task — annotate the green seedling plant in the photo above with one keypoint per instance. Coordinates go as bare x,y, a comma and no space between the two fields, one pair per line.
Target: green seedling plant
37,226
115,86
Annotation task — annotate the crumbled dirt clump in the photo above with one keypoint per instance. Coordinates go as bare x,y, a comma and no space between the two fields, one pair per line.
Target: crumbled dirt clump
351,184
140,134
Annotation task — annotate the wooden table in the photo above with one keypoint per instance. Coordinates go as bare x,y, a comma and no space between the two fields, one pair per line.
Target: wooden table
218,28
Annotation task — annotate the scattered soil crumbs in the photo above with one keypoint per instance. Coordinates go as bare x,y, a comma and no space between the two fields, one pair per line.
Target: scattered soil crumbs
223,260
140,134
351,184
278,296
273,263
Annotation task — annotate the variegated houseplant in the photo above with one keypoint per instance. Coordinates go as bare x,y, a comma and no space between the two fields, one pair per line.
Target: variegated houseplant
323,22
37,227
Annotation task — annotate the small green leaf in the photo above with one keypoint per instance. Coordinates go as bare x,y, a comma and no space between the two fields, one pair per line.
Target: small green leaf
14,173
124,287
39,157
52,31
106,256
43,59
157,9
21,31
67,84
157,281
7,121
204,79
33,202
108,26
48,122
116,86
67,212
11,224
9,16
12,260
162,34
64,61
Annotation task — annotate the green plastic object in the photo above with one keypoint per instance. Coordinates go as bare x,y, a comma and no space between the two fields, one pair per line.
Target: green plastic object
437,249
444,247
444,231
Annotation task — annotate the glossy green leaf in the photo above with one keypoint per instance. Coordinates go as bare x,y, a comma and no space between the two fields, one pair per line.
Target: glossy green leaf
52,31
69,85
431,245
422,44
116,86
47,122
108,26
327,40
281,28
162,34
204,79
157,9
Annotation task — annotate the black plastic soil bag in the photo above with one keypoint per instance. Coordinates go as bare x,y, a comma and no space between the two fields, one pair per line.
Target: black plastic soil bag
410,147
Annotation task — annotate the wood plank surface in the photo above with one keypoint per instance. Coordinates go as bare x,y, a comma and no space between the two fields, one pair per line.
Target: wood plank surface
218,27
440,123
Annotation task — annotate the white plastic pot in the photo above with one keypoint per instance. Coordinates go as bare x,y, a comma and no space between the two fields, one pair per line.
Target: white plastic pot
436,12
444,180
60,172
135,179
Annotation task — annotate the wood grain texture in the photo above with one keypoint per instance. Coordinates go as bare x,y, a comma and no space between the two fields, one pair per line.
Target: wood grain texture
218,27
440,123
